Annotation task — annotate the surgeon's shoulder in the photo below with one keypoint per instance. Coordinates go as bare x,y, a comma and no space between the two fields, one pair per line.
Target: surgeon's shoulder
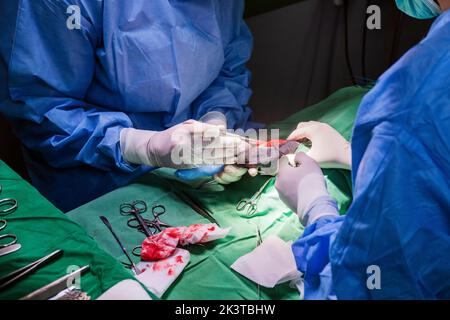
442,25
439,35
230,12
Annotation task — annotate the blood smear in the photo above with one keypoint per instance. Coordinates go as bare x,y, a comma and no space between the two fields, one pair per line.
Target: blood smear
173,232
164,244
156,266
271,143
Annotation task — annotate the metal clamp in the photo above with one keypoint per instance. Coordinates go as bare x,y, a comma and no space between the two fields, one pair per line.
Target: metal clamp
137,251
8,236
8,202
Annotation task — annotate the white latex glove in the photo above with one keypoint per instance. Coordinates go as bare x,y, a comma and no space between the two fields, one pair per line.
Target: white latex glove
230,173
157,149
303,189
329,148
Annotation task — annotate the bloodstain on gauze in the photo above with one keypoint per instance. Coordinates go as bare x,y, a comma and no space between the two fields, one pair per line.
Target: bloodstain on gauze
164,244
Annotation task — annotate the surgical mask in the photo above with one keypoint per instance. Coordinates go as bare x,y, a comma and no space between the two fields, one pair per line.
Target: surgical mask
420,9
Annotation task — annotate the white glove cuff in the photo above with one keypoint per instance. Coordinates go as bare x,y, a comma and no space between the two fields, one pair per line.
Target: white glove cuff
215,118
323,206
133,145
311,187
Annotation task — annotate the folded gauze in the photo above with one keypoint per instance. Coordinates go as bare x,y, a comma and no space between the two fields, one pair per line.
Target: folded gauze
269,264
158,276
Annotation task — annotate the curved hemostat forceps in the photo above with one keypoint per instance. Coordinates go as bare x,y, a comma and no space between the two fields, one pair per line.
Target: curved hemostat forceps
8,205
137,208
250,205
12,237
8,242
276,149
146,226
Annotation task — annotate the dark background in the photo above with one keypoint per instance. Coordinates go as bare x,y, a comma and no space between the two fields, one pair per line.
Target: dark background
300,55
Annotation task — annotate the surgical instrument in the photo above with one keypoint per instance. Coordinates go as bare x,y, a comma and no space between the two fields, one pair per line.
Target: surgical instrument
258,243
136,208
55,287
21,273
263,153
157,211
188,200
10,249
144,225
197,207
251,205
11,237
3,224
108,225
71,293
156,223
9,205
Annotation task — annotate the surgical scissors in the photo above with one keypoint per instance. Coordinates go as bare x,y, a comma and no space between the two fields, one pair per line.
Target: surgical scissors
251,205
7,205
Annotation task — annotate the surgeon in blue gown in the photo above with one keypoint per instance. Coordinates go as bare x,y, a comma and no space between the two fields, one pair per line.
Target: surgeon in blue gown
145,66
394,241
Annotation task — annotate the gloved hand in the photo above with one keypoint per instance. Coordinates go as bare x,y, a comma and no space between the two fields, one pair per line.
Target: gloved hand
303,189
162,148
329,148
230,173
222,174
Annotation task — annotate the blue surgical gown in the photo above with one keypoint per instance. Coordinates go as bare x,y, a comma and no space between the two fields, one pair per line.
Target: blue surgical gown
141,64
399,221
